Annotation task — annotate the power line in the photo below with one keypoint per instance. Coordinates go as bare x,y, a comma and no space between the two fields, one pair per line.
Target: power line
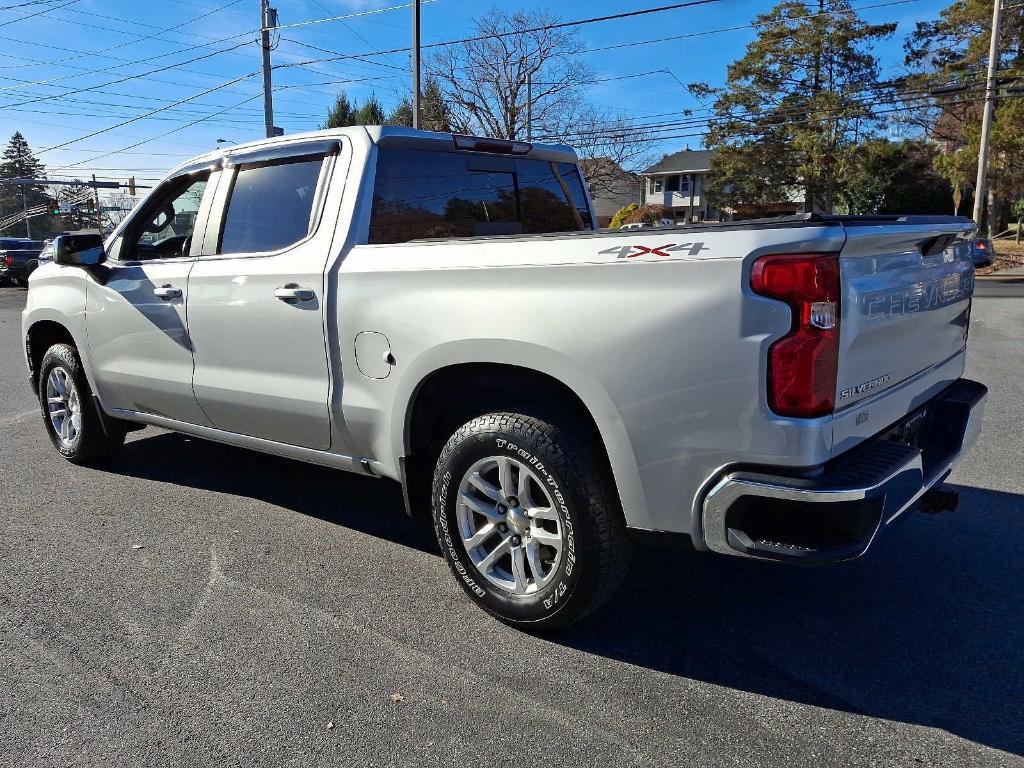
499,35
153,112
160,30
374,53
123,79
38,13
166,133
372,12
147,60
739,27
30,2
326,50
702,133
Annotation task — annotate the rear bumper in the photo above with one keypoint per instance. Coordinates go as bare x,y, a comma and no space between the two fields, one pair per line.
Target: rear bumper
834,512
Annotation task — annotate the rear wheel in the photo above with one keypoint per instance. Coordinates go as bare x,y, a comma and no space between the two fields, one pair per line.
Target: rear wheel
528,519
69,411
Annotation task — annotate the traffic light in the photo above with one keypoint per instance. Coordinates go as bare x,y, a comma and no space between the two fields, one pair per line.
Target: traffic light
131,186
54,207
90,205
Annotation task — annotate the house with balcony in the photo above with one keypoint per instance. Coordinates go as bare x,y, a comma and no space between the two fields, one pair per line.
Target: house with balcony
677,182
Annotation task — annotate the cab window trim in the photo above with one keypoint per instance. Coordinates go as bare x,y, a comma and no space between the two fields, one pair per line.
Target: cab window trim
218,217
120,233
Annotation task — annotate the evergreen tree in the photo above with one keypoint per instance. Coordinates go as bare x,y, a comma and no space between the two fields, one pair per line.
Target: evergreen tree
435,113
370,112
402,114
345,112
19,162
795,105
895,177
341,114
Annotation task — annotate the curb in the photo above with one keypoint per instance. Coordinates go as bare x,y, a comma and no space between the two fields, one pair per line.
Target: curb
1002,278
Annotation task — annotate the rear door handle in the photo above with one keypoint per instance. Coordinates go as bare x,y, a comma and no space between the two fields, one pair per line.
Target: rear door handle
167,292
292,292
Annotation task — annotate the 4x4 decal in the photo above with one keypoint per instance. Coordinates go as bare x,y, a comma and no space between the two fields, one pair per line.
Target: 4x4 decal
632,251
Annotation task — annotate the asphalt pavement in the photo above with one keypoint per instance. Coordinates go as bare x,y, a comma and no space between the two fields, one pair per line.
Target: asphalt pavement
196,605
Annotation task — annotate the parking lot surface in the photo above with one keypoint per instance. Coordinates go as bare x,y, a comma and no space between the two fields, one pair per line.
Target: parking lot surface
194,604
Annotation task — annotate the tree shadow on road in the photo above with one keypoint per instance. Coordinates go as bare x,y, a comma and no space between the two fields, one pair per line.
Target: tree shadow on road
927,628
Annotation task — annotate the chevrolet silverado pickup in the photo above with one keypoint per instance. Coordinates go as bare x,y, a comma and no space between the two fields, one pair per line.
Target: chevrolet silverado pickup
440,310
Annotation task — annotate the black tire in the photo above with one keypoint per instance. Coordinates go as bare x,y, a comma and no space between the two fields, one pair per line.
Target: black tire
596,550
91,444
30,267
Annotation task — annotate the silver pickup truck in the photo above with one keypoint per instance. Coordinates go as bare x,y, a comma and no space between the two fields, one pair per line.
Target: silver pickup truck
440,310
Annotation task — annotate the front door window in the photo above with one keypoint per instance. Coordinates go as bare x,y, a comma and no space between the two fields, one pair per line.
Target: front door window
164,229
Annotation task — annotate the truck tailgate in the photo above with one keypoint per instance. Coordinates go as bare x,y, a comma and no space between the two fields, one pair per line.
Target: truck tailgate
905,307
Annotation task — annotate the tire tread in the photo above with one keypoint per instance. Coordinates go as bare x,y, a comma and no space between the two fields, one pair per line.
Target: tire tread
589,481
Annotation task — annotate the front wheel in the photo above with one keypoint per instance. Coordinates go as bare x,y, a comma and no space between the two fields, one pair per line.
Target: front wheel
69,412
529,520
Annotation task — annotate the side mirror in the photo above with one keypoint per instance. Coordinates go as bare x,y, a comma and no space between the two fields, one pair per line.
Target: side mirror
79,250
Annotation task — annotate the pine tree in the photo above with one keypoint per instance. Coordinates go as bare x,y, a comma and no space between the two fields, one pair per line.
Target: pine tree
370,112
402,114
794,106
341,114
19,162
345,112
435,113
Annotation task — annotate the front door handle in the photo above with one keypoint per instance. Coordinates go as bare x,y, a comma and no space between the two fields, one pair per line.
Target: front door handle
167,292
292,292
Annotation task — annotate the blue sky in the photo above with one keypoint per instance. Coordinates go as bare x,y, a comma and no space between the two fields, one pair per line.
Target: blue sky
46,56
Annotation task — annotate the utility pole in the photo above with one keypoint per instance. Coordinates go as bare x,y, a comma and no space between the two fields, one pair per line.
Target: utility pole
416,64
96,202
529,105
24,207
268,20
980,187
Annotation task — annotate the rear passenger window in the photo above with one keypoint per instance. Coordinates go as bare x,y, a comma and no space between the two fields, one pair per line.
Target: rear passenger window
425,194
271,206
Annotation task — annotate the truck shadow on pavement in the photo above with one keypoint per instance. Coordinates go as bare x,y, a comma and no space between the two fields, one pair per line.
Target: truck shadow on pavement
371,506
927,628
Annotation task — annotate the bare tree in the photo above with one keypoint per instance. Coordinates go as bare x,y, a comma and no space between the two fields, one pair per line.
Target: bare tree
485,83
485,79
610,147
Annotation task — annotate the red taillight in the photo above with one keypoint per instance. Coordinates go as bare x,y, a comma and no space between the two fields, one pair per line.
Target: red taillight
8,259
980,245
802,365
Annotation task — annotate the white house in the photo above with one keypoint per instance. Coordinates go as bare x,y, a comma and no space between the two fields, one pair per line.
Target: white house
677,182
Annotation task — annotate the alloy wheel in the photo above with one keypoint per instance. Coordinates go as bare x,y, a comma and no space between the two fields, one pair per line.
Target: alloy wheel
511,530
63,406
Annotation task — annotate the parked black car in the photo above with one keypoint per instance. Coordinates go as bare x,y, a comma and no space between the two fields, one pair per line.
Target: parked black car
983,252
18,258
